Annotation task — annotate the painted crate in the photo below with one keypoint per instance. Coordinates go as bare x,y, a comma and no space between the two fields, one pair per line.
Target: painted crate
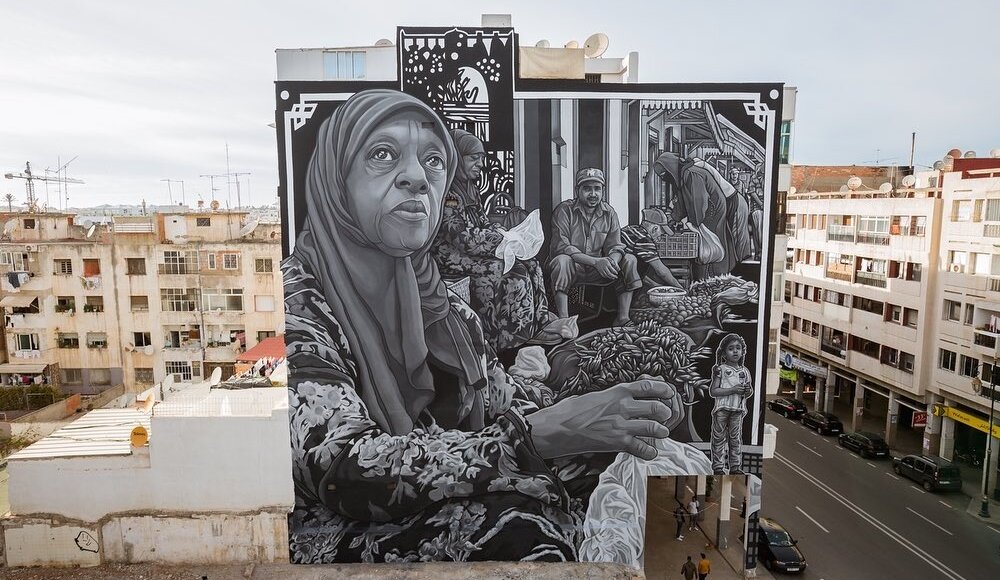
682,245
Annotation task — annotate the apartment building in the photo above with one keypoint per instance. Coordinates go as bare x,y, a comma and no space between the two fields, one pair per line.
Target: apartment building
91,305
893,303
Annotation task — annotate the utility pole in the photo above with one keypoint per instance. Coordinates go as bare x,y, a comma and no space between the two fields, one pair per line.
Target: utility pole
913,145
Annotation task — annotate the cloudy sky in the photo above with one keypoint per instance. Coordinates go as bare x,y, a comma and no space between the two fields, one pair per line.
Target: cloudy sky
139,94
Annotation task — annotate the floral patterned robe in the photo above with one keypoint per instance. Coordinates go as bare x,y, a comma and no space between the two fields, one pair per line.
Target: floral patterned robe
439,492
513,307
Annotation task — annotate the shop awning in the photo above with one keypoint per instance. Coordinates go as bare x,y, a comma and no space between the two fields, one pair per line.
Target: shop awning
21,369
18,300
273,347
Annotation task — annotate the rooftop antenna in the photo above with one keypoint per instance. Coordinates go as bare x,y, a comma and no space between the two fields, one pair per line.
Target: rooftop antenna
170,194
229,183
29,183
61,181
239,201
212,179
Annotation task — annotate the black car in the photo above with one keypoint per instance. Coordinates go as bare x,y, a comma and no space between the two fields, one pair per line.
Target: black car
865,443
792,408
777,549
930,472
824,423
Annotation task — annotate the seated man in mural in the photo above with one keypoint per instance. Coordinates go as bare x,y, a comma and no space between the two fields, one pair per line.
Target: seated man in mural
410,442
712,208
587,247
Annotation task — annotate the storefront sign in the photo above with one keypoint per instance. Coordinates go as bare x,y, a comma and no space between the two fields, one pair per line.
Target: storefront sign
969,419
919,419
805,366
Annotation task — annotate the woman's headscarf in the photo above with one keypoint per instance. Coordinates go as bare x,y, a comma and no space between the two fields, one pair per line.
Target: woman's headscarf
394,312
464,185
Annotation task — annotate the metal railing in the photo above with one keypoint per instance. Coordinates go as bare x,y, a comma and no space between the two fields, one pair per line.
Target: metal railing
835,233
871,279
874,238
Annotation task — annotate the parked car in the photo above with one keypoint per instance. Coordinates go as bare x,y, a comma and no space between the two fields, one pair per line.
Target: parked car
824,423
865,443
777,549
930,472
787,406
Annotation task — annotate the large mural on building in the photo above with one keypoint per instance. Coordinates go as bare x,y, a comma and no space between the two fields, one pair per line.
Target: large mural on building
510,301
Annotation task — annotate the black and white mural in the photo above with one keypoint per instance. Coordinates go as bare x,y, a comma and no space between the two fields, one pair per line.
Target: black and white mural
509,302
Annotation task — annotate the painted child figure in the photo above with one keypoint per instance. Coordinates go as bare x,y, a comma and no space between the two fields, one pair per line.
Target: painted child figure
731,385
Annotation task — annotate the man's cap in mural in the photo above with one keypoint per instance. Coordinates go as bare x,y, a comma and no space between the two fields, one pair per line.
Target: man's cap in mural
589,174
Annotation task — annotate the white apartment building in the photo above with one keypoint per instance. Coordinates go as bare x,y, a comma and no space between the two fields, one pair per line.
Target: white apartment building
893,303
93,306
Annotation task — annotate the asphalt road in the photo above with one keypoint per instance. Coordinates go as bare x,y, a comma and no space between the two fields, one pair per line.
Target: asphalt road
855,519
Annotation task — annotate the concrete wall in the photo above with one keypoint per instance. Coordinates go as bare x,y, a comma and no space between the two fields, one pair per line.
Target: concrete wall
42,422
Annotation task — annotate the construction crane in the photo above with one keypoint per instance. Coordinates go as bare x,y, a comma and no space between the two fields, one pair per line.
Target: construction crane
29,183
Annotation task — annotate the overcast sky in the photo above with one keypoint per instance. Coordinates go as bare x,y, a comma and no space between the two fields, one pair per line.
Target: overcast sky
141,94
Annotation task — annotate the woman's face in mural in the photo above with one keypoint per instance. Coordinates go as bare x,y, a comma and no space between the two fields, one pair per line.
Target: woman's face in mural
473,164
396,184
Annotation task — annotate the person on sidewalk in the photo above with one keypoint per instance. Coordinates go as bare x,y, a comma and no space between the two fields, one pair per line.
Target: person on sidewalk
689,569
693,506
704,567
679,514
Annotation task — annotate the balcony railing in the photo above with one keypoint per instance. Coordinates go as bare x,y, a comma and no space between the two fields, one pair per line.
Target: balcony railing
871,279
985,340
995,284
991,230
838,274
178,268
835,233
874,238
837,351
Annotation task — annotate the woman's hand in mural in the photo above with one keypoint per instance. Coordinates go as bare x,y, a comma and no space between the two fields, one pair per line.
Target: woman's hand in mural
612,420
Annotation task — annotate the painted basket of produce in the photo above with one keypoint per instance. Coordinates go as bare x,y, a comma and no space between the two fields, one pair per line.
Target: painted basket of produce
682,245
459,286
662,294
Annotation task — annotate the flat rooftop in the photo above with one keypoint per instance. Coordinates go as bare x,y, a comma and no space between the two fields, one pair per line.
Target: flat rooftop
101,432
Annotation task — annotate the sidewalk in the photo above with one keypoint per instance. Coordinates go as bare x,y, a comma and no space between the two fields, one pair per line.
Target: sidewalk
664,554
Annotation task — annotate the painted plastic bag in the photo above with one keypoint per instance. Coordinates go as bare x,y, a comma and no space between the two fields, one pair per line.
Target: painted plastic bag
710,248
521,242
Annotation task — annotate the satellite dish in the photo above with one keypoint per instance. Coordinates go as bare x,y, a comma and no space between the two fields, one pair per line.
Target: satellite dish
938,165
885,187
87,223
572,44
147,350
955,153
91,231
139,436
792,190
248,228
9,227
543,44
969,155
595,45
843,188
909,181
995,153
854,183
214,205
383,42
216,377
129,347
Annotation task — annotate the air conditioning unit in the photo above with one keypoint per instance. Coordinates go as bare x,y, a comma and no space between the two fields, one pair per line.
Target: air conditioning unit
957,268
30,248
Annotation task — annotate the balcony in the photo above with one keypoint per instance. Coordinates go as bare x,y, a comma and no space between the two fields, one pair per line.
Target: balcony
837,273
873,279
873,238
183,346
985,342
991,230
835,233
177,268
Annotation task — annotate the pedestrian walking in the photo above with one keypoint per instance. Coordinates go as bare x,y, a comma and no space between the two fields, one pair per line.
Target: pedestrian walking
693,507
679,514
704,567
689,569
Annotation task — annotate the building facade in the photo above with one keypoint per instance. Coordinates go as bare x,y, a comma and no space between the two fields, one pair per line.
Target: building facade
892,304
88,306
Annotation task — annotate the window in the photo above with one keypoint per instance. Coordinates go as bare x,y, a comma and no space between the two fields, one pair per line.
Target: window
946,360
178,300
141,339
913,271
91,267
26,342
873,230
139,303
97,340
203,222
869,305
230,299
135,266
838,298
969,366
71,376
952,310
894,314
957,261
865,346
177,262
906,362
230,261
264,303
343,64
65,304
986,372
196,368
68,340
94,304
977,210
18,261
62,267
918,225
785,142
29,224
970,312
100,376
981,263
263,265
181,370
144,376
790,222
961,210
262,334
910,317
992,210
211,261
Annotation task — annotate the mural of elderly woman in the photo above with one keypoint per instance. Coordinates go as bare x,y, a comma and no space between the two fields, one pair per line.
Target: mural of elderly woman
512,306
409,441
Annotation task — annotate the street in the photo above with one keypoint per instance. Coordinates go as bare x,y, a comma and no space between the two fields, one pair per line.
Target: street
854,518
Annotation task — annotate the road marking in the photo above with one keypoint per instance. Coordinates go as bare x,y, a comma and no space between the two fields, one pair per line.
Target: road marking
994,529
891,475
811,519
872,464
872,520
945,504
918,489
916,513
809,449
